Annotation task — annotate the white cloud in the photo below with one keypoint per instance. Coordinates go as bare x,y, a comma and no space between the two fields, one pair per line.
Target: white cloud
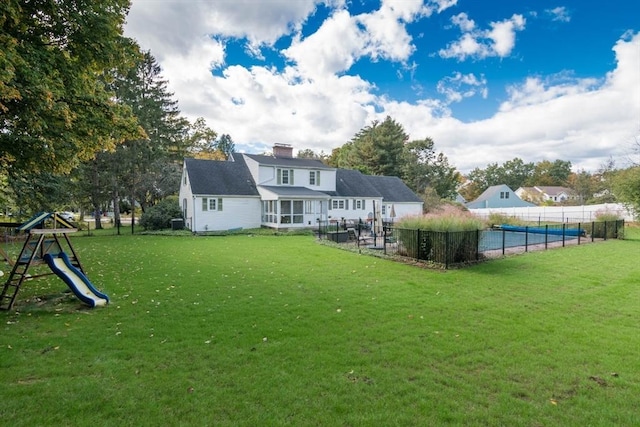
332,49
343,39
559,13
315,103
463,22
503,34
498,41
460,86
580,121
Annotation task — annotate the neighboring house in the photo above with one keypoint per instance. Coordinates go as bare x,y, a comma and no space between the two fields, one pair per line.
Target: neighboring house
542,194
280,191
498,196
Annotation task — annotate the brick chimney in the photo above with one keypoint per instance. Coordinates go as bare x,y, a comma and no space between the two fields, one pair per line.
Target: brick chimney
283,150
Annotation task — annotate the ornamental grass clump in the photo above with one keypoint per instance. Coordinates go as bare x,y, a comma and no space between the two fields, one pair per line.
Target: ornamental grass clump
445,238
451,220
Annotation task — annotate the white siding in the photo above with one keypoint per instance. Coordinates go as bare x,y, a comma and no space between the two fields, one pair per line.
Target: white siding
237,212
186,197
327,180
351,213
253,168
266,175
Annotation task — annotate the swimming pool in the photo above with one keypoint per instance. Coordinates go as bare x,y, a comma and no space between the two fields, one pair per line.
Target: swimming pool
491,240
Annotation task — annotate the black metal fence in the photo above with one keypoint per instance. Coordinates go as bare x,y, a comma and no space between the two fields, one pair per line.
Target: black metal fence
448,248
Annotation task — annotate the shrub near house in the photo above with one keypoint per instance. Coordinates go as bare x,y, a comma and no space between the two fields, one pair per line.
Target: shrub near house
159,216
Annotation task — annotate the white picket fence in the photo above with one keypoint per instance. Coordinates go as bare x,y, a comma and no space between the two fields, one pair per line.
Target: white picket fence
585,213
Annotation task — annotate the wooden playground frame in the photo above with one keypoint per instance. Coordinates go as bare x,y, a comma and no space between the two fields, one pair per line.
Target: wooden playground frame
39,242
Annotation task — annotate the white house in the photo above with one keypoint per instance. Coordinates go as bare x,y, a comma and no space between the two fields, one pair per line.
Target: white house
541,194
280,191
497,196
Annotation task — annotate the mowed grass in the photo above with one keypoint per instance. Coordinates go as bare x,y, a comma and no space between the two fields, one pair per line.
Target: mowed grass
275,330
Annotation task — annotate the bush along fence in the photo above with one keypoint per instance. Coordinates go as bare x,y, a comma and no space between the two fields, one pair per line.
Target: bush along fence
455,248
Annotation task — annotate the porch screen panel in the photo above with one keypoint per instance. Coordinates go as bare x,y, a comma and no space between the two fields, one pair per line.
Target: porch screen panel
298,211
285,212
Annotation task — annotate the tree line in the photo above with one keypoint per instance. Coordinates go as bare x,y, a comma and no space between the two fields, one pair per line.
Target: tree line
86,117
87,120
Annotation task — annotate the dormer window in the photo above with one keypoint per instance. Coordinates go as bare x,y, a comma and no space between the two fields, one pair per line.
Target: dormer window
314,177
285,176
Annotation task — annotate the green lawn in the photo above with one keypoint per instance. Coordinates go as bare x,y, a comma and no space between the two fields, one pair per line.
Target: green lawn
281,330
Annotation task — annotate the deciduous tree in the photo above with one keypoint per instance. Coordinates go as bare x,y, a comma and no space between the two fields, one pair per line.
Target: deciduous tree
626,186
55,107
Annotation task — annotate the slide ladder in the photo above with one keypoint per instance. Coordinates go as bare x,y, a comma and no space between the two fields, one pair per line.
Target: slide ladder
18,275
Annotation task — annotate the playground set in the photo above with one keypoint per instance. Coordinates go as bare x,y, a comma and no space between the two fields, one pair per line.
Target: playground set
50,246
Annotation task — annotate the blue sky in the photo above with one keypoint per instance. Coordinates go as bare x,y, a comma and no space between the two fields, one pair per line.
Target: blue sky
487,81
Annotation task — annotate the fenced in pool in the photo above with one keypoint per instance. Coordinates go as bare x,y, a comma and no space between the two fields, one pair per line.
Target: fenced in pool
449,248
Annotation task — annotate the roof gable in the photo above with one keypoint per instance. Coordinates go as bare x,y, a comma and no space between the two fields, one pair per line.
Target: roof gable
225,178
492,191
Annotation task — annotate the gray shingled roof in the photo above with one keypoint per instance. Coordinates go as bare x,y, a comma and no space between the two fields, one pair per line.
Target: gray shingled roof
288,161
211,177
393,189
352,183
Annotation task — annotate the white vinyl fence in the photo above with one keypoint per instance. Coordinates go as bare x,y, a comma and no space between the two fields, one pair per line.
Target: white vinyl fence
585,213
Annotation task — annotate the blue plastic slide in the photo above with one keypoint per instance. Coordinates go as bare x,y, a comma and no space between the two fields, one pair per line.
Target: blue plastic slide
76,280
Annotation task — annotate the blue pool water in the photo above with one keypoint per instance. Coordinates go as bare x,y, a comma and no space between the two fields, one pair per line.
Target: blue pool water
491,240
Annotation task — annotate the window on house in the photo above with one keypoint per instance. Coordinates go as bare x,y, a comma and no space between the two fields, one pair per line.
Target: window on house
383,210
308,206
314,177
506,195
337,204
185,179
284,176
211,204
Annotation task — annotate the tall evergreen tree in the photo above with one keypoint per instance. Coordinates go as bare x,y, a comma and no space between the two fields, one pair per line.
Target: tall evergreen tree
377,149
150,164
226,145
